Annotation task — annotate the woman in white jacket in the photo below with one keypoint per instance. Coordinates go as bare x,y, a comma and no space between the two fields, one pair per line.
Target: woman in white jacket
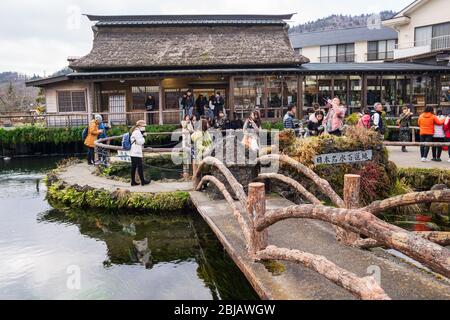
136,154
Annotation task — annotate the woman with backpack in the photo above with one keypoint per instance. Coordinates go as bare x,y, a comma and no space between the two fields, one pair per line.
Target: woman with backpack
93,132
137,141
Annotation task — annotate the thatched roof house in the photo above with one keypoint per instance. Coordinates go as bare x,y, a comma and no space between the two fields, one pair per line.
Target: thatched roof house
142,42
249,59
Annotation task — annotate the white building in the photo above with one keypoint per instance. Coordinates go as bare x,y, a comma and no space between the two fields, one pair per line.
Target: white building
347,45
423,31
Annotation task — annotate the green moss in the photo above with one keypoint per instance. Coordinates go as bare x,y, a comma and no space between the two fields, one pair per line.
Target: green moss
377,176
424,179
84,197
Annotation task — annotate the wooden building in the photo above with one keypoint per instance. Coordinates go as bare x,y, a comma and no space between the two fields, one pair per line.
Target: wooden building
248,58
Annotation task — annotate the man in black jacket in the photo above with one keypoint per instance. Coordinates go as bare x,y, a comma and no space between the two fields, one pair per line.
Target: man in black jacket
150,106
219,103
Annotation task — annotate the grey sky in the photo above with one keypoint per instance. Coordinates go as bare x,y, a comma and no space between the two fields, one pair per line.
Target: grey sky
37,36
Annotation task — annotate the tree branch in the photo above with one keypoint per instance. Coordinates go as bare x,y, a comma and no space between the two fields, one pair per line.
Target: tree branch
407,200
291,182
323,184
435,257
364,288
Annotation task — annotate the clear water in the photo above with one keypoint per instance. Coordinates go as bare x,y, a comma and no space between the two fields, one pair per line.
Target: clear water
49,253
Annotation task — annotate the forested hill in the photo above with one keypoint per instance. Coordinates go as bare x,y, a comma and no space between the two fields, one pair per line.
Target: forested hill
338,22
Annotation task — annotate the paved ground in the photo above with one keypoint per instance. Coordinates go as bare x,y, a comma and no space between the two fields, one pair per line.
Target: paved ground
399,280
81,174
411,159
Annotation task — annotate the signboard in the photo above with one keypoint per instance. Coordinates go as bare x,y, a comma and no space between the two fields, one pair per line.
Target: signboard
344,157
123,156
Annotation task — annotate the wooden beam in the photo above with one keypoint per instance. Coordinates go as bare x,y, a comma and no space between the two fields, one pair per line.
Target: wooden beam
161,102
256,209
352,186
300,102
231,97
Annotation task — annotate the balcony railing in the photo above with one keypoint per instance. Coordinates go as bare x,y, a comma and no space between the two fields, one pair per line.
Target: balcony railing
375,56
435,44
338,59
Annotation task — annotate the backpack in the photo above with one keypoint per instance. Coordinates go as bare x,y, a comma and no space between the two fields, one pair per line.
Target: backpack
84,134
365,121
126,142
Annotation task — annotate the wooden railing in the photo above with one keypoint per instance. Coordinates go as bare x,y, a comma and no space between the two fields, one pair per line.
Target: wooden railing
349,219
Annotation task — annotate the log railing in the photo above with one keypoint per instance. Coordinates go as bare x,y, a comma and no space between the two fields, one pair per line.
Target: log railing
349,219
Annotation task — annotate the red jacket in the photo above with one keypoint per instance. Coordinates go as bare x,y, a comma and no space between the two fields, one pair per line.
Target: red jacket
447,129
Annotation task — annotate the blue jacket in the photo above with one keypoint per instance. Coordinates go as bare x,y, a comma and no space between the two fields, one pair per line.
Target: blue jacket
288,121
104,127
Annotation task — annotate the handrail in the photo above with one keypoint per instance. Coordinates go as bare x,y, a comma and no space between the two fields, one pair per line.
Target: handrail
436,257
238,212
365,288
234,184
323,185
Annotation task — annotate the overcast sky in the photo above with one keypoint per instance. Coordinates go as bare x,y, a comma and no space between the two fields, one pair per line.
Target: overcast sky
37,36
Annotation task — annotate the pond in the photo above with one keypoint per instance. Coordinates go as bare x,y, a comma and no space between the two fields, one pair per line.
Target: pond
50,253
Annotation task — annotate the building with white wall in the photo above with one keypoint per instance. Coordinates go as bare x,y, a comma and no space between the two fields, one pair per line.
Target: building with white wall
347,45
423,30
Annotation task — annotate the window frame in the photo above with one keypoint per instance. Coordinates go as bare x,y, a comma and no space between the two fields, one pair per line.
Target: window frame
378,54
347,56
71,92
432,26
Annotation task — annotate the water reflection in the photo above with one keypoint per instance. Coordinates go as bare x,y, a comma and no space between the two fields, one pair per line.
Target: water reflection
119,256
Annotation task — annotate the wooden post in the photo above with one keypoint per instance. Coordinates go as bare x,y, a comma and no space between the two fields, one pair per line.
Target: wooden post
161,103
256,208
300,102
352,187
231,97
265,103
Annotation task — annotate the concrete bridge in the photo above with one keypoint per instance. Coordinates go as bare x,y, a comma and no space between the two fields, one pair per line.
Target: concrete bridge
311,252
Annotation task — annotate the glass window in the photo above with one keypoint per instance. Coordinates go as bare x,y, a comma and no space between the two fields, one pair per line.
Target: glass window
388,94
441,36
355,92
310,91
373,90
381,50
71,101
172,98
445,91
337,53
372,52
340,88
140,94
325,91
419,92
324,56
423,36
248,94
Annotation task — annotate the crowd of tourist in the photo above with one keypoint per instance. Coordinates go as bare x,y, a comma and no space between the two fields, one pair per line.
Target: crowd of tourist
200,115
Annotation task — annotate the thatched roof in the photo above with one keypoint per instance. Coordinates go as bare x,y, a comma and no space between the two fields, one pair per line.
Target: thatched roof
119,47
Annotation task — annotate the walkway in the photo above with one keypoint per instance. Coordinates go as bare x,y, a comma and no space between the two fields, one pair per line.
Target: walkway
82,174
411,159
398,279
